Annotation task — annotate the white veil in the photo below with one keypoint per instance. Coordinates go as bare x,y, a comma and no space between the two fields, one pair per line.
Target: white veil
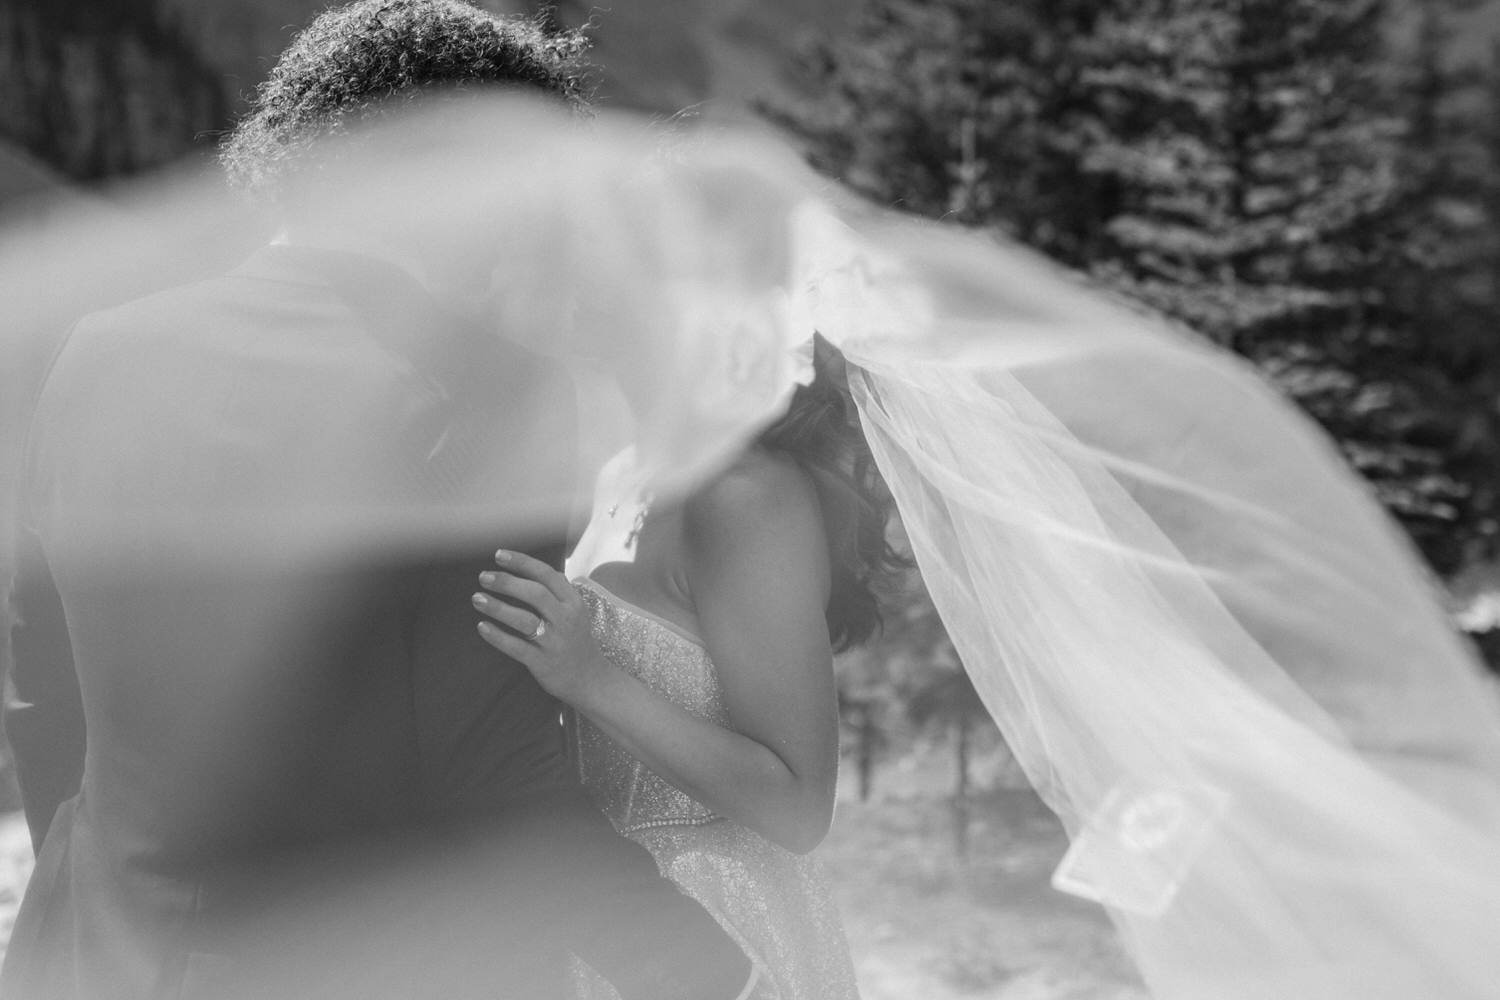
1211,652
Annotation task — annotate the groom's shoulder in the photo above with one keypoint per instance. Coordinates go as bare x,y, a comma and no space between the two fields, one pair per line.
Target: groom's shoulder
181,301
162,315
123,334
220,316
398,344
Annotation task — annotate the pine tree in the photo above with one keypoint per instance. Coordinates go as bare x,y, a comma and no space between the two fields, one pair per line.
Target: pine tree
1289,186
1270,172
1426,432
1408,393
98,88
1248,165
957,110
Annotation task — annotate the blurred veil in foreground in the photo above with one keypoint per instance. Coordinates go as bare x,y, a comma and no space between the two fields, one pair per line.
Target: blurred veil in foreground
1214,656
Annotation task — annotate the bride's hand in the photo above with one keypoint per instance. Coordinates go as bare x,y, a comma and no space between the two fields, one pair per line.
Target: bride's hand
543,623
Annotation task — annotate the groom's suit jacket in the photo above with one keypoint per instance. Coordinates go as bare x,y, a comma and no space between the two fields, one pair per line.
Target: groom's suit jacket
262,750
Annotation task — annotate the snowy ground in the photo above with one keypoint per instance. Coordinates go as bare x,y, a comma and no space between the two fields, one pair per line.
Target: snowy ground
922,924
15,869
925,925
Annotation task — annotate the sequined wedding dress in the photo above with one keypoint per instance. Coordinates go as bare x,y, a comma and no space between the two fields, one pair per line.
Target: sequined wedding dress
775,903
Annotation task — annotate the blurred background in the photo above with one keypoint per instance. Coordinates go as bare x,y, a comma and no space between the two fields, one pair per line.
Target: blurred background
1313,185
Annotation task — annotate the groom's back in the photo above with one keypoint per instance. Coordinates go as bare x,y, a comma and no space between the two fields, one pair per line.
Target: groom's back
246,495
262,500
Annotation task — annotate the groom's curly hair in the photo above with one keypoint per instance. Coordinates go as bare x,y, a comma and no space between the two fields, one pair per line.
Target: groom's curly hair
357,62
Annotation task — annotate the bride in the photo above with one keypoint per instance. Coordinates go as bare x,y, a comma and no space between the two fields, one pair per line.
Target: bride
700,671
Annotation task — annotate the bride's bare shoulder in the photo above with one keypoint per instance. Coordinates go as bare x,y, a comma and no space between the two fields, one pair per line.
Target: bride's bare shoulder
762,490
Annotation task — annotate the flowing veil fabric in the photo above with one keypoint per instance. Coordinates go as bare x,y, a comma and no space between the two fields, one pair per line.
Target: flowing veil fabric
1211,652
1248,844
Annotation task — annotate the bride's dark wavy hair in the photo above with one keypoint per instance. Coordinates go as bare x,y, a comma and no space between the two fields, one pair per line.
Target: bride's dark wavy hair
821,431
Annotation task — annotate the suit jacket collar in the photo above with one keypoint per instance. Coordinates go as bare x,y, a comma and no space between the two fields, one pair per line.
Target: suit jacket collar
396,309
304,265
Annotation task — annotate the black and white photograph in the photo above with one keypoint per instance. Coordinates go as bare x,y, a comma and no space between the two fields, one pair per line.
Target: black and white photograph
750,500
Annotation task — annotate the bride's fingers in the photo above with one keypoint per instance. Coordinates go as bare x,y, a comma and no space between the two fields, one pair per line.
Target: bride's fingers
511,645
520,589
532,568
519,619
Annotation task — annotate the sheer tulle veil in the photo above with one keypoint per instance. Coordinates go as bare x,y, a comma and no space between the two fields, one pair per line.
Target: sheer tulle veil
1216,660
1212,653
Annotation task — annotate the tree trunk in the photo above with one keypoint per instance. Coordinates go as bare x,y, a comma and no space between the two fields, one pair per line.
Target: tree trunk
961,788
866,752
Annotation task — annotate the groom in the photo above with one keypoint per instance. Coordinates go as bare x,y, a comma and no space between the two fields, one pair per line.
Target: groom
262,750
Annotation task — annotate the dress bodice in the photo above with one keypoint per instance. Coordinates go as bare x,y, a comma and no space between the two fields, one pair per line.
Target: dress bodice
675,665
777,905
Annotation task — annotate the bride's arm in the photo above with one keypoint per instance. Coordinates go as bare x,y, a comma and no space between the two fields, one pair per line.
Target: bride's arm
758,571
